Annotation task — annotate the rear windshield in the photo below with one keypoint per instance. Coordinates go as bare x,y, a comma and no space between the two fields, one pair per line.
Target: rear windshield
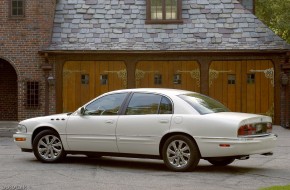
203,104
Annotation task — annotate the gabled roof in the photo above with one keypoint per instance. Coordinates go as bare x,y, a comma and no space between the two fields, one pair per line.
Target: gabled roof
120,25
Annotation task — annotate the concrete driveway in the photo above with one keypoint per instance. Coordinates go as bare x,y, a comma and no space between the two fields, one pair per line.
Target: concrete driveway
18,169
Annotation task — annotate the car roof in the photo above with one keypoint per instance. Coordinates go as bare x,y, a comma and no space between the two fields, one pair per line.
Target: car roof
166,91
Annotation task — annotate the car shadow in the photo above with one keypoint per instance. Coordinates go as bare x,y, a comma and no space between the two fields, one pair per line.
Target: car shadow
135,164
118,162
230,169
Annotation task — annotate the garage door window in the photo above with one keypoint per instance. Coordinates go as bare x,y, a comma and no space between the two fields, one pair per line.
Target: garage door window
251,78
157,79
231,79
177,79
85,79
104,79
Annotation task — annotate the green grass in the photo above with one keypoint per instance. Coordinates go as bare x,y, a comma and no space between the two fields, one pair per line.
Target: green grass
287,187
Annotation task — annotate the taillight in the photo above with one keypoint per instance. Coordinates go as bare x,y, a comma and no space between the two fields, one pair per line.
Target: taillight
269,127
255,129
247,130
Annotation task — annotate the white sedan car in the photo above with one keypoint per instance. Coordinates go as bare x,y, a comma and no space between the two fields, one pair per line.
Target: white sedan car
180,127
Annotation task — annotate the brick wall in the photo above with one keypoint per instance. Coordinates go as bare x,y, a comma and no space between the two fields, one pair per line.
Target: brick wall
285,112
287,102
285,95
20,41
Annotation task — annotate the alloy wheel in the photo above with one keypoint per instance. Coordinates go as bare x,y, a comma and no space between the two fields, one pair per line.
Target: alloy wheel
49,147
178,153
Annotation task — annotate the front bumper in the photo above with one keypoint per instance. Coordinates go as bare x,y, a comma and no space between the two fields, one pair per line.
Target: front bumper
221,147
23,140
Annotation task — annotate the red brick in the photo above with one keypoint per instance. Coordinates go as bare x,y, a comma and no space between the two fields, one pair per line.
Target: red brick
20,42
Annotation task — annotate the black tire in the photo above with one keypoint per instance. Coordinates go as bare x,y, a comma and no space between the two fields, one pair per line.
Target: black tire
180,153
221,161
47,147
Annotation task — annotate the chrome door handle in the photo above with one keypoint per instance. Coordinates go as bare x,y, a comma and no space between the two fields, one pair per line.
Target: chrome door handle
163,120
109,121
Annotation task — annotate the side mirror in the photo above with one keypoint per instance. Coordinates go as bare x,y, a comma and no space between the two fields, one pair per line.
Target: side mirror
81,111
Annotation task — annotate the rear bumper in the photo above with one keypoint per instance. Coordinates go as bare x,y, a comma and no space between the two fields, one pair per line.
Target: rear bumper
221,147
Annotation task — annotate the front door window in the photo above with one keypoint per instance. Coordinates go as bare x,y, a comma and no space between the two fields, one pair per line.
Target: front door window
107,105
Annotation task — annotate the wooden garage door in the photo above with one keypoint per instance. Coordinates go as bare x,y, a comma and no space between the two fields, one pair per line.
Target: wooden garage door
243,86
168,74
84,80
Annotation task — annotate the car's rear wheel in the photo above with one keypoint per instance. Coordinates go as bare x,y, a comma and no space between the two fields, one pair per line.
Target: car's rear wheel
180,153
221,161
47,147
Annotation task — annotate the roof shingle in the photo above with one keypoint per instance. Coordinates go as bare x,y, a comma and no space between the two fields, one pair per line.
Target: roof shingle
120,25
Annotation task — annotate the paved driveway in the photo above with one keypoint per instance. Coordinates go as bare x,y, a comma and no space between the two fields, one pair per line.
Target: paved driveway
18,169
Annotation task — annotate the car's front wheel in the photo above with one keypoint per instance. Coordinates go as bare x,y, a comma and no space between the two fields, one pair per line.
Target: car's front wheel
180,153
47,147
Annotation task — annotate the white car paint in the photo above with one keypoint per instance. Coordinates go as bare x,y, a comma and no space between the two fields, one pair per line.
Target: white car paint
209,134
92,133
135,136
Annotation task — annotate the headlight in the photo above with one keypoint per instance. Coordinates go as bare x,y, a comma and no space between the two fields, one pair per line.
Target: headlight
21,129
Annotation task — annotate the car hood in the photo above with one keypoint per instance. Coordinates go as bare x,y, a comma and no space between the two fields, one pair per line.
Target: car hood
240,118
46,119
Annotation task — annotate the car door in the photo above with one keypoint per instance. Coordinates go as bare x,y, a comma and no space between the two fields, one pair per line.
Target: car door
94,129
146,119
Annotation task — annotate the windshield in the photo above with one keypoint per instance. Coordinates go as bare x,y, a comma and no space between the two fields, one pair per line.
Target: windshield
203,104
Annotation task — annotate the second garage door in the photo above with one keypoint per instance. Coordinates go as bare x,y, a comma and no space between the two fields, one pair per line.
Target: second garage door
243,86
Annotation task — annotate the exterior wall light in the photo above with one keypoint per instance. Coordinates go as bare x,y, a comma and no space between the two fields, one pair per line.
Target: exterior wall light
51,80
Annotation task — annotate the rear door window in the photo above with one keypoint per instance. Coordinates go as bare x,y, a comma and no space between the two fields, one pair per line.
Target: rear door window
145,103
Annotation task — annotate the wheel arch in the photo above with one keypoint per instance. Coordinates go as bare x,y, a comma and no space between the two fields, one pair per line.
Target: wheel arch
39,129
168,135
